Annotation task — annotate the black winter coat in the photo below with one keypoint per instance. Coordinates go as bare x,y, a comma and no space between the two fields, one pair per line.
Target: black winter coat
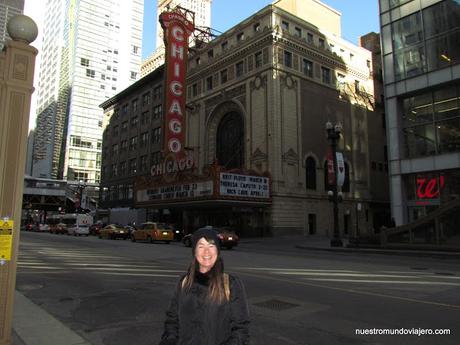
192,320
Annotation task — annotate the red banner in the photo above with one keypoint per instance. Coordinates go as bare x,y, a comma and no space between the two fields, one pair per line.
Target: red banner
330,168
176,33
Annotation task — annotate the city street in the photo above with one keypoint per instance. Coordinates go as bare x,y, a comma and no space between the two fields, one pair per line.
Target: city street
116,292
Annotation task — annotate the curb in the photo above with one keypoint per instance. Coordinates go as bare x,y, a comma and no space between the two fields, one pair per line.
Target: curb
413,253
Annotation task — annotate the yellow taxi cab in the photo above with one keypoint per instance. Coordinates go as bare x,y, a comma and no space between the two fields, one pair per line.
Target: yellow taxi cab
152,231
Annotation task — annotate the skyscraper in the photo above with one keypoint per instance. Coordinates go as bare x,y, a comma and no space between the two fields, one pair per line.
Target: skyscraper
91,51
421,54
8,8
202,10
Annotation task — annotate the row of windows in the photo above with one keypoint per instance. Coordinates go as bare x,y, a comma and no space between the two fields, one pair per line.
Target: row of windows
131,167
145,118
426,40
431,122
235,71
119,192
133,142
310,39
307,67
146,99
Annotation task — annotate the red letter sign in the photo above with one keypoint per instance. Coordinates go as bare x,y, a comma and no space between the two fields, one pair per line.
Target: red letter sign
176,32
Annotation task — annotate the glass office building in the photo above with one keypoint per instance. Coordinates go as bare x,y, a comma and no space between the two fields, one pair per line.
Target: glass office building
421,54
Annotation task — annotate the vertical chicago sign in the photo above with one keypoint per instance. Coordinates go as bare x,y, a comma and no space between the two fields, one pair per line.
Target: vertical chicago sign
177,29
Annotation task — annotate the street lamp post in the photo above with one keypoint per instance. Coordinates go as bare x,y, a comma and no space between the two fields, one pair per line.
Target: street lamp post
333,132
80,188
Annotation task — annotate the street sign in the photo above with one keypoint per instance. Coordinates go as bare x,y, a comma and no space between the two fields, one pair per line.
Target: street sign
6,238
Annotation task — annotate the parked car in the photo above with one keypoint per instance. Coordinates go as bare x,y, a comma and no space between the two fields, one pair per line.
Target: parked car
113,231
78,230
130,229
178,232
227,237
43,228
31,227
152,231
59,228
95,228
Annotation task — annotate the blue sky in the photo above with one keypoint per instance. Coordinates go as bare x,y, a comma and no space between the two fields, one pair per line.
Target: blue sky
359,17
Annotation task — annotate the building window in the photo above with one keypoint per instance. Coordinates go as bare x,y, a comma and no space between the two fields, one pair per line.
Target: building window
240,37
309,38
146,99
145,117
157,92
90,73
239,69
209,83
256,27
134,121
223,76
307,67
326,75
135,49
431,122
84,62
298,32
124,126
310,172
144,139
135,104
132,166
155,158
143,163
156,135
157,111
357,89
287,59
224,45
195,90
125,109
321,42
133,75
133,143
210,54
230,143
114,170
285,25
115,149
122,169
258,58
124,145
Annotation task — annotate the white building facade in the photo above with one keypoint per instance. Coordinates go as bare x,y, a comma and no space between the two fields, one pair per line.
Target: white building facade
91,50
421,54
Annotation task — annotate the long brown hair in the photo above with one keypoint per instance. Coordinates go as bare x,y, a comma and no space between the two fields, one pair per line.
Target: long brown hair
216,290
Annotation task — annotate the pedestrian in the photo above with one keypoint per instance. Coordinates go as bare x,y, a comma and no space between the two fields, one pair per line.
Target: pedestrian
209,307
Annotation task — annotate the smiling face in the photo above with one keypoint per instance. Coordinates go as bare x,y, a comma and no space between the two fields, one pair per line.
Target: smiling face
206,254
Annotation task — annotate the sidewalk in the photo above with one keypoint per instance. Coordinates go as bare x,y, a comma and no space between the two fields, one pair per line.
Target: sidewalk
32,325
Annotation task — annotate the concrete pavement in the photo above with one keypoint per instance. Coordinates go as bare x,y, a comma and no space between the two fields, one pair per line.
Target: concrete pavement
32,325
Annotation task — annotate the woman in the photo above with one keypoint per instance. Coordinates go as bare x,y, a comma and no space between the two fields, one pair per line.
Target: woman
209,307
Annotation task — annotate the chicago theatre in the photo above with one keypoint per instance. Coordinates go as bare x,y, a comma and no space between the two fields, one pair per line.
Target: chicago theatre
236,135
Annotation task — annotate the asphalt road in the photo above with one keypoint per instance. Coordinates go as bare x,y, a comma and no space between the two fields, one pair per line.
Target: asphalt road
116,292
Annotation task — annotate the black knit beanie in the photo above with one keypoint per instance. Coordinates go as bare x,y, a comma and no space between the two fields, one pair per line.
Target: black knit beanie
209,234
